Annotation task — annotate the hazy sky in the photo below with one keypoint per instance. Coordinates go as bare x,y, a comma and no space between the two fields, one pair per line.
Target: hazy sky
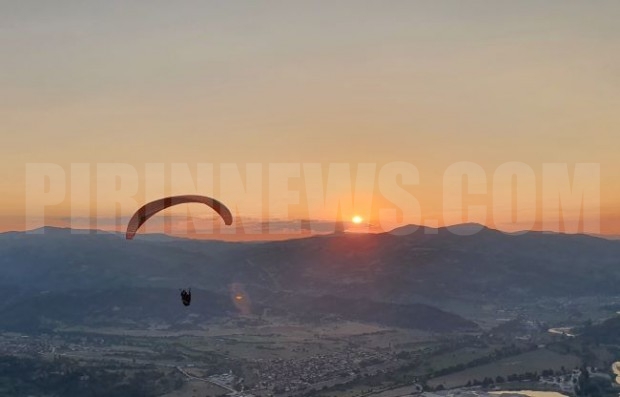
430,83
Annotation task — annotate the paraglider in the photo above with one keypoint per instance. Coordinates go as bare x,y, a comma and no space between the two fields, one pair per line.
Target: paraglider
186,297
152,208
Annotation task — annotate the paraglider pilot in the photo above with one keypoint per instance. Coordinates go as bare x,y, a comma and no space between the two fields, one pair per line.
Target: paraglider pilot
150,209
186,297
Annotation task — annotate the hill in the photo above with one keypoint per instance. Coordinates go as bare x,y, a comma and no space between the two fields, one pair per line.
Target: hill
392,278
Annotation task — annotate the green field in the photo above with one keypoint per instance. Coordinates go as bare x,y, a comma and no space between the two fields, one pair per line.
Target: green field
537,360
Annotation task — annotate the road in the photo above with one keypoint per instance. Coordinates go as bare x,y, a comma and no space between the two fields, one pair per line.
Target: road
189,376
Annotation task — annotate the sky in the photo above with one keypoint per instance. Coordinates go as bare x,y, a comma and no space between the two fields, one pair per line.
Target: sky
427,84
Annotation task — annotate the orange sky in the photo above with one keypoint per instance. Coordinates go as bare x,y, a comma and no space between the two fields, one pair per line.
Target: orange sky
427,83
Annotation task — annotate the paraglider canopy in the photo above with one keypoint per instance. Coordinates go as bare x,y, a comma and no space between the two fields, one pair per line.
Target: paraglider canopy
150,209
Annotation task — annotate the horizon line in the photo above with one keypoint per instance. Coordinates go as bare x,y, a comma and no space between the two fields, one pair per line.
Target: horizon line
309,234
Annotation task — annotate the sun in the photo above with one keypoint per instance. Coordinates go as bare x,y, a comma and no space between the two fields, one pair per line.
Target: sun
357,219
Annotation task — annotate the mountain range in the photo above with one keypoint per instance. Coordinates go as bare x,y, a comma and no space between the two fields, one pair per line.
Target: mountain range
62,276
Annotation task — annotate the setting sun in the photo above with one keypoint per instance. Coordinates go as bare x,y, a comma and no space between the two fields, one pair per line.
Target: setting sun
357,219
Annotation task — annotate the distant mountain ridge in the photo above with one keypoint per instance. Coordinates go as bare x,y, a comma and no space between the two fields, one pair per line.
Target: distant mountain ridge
409,267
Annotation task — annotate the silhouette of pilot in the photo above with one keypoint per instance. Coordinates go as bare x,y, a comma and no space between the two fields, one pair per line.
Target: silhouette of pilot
186,297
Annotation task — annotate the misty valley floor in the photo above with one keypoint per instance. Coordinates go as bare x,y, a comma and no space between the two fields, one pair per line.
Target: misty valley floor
277,357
